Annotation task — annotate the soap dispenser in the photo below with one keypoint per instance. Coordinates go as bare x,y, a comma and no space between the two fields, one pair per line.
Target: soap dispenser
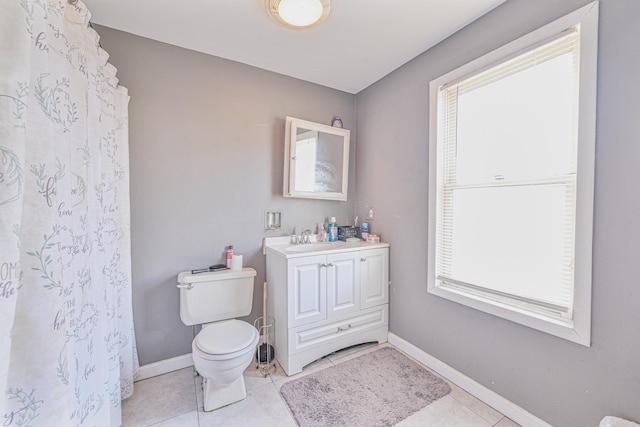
322,233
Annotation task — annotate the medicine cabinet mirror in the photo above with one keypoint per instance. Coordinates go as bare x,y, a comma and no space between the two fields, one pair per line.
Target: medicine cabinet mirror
316,160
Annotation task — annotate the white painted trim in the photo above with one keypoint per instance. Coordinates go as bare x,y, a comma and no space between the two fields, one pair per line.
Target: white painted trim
577,330
491,398
164,366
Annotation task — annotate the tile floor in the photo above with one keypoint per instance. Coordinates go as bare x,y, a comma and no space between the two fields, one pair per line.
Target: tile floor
175,400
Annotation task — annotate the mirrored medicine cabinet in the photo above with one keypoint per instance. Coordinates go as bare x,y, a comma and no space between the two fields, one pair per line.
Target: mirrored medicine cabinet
316,160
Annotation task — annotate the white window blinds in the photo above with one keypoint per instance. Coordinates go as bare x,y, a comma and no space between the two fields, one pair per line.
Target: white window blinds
506,179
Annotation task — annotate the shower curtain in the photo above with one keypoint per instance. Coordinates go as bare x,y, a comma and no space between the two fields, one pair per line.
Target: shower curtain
67,345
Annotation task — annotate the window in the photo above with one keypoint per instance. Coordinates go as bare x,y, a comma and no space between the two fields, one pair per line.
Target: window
512,147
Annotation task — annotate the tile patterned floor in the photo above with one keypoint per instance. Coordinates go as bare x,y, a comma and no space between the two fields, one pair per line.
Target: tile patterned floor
175,400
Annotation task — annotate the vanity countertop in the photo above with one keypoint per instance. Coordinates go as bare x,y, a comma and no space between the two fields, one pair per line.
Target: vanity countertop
281,246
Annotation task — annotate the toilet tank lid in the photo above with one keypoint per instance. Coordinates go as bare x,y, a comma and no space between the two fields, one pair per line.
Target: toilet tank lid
188,277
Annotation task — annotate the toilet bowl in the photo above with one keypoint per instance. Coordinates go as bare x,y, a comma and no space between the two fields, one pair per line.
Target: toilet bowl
225,346
221,352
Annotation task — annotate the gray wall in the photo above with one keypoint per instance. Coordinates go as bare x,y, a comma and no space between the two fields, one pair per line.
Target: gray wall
206,145
563,383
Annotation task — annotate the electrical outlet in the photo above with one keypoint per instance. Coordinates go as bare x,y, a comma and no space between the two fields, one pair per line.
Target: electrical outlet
370,213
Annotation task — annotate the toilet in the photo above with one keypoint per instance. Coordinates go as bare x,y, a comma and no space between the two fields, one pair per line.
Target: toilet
225,346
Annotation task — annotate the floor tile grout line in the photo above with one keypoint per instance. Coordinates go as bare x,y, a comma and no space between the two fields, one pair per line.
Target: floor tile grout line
195,394
286,405
470,408
500,420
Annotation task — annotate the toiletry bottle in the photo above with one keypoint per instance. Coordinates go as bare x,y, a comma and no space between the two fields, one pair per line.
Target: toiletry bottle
365,231
333,230
229,256
322,233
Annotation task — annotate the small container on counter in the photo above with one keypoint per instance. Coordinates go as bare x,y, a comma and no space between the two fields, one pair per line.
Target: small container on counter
229,256
333,230
364,231
322,233
373,238
346,232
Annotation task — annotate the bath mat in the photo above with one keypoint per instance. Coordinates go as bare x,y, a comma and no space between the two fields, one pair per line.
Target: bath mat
377,389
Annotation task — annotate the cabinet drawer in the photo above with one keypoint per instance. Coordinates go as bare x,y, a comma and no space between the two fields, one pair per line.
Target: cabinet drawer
304,337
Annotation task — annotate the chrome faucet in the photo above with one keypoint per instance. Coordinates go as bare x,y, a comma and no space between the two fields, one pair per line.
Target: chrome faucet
303,238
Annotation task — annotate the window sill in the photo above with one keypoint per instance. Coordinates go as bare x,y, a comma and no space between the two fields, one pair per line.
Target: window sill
571,330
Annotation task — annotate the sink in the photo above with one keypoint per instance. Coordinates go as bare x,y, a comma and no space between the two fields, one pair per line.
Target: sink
311,247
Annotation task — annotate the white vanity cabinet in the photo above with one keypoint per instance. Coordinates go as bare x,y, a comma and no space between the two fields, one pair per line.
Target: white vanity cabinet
326,300
323,287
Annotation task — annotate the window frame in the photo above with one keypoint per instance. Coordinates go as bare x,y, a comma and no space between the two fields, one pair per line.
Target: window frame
577,329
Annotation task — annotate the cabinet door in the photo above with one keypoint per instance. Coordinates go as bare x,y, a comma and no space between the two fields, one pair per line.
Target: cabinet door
343,283
307,290
374,277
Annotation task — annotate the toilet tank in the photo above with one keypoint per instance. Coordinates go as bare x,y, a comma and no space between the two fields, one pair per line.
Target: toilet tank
215,295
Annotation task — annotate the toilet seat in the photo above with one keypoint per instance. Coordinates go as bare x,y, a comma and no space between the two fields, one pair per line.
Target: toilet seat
225,340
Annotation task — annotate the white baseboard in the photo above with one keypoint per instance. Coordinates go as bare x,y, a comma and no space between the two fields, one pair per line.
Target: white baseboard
164,366
499,403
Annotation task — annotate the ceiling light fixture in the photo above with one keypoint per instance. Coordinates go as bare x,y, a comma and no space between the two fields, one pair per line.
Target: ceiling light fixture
299,13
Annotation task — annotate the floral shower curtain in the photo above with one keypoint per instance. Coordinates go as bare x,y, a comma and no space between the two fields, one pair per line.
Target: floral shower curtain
67,346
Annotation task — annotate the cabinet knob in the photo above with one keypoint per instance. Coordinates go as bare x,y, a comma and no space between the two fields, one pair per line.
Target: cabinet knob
344,328
323,265
363,259
330,264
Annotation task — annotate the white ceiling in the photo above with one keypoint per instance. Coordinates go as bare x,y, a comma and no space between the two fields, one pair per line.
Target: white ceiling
360,42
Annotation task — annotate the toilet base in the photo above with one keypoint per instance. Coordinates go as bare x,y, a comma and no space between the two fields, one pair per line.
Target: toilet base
215,398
